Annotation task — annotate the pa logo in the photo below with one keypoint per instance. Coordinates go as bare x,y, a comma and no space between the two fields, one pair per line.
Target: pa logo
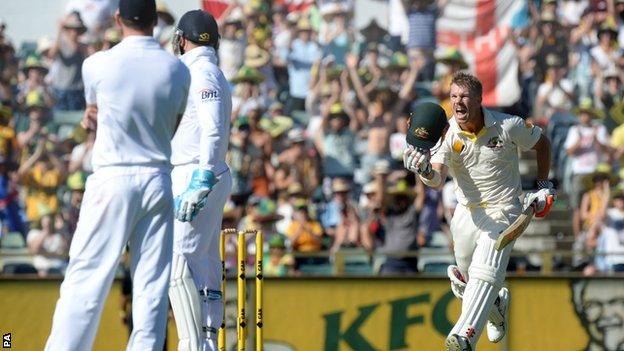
6,341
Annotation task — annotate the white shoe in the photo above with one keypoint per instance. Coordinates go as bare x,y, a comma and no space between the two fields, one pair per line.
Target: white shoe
457,343
497,320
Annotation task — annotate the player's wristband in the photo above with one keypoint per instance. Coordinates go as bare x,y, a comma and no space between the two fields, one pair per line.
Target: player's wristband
544,184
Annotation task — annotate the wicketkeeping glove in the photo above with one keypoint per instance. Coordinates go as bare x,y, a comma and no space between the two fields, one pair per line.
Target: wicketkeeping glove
193,199
417,160
542,199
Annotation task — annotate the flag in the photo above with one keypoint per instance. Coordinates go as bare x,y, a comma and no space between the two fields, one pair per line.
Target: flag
215,7
481,30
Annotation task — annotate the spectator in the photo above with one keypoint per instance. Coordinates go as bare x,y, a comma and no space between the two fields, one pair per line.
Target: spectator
301,54
112,37
304,233
232,43
609,93
340,218
80,159
68,54
34,72
606,54
372,216
584,145
71,209
610,236
41,175
571,11
261,215
582,38
301,162
595,200
422,16
286,205
619,11
556,93
96,14
49,243
240,158
163,31
429,204
37,125
278,263
258,58
338,36
551,40
401,228
454,62
335,142
247,94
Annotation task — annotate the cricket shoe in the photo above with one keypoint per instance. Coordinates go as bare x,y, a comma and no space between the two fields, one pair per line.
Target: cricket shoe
457,343
497,319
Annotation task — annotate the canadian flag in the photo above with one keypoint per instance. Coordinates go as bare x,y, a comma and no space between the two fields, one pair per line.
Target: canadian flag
481,30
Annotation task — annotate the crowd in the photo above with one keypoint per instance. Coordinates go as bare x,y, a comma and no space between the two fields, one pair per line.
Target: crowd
319,121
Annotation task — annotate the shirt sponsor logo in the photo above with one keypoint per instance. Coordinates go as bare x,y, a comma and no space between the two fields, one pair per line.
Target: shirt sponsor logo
209,95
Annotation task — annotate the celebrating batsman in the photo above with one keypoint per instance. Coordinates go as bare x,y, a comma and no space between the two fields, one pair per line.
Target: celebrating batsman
135,92
201,178
480,152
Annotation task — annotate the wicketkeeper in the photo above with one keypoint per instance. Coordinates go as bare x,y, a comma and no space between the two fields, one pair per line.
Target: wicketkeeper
201,178
478,147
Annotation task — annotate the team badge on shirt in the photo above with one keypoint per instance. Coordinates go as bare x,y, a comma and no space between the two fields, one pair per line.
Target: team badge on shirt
494,143
209,95
421,133
458,146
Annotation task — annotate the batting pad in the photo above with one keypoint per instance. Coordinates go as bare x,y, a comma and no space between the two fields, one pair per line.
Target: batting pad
184,297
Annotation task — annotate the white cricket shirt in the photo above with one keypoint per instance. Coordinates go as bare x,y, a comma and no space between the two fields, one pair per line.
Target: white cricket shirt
484,167
139,90
204,132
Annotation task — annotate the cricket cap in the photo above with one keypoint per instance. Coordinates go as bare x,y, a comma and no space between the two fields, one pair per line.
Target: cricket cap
141,12
426,124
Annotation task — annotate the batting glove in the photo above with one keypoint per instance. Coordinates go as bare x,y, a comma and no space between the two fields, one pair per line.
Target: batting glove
193,199
542,199
417,160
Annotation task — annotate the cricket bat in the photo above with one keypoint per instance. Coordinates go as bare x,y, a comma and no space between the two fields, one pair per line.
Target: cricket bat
518,226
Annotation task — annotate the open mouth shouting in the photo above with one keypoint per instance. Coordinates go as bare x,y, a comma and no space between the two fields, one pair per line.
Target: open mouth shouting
461,113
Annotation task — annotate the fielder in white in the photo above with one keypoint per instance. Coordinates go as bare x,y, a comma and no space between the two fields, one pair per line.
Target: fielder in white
201,178
480,152
136,93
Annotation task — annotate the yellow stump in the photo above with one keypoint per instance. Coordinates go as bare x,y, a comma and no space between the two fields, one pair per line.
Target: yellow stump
259,276
221,338
241,293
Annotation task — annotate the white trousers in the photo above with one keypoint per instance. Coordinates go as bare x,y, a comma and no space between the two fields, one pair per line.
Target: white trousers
474,235
197,243
121,205
198,240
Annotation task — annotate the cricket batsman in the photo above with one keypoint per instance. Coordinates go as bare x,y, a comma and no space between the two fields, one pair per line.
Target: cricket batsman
201,178
480,151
